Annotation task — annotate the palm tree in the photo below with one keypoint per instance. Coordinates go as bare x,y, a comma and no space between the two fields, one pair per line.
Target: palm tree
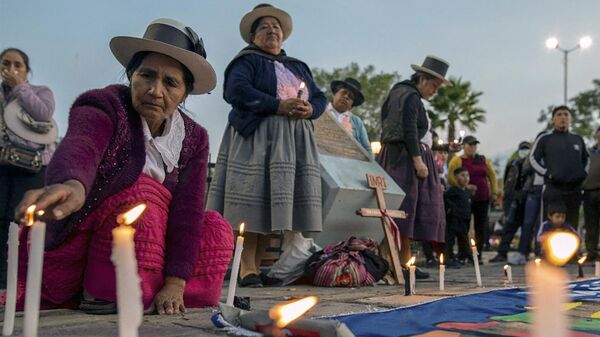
456,103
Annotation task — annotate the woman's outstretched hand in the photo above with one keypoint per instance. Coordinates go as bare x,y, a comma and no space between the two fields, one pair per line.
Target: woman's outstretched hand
58,200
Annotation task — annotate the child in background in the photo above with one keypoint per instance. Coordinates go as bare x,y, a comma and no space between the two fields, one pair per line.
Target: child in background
557,216
457,200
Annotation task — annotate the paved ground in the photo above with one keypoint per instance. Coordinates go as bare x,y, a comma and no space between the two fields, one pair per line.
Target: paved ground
331,301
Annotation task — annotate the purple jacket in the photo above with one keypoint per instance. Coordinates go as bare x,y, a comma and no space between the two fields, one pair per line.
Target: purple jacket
38,101
104,150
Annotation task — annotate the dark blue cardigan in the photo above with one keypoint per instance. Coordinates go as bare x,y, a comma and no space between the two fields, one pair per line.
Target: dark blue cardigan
251,89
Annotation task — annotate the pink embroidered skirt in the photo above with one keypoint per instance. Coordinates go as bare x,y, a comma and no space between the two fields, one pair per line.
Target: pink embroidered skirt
83,260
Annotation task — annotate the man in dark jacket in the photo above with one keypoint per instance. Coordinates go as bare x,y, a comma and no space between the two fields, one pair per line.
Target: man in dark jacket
515,178
562,159
591,200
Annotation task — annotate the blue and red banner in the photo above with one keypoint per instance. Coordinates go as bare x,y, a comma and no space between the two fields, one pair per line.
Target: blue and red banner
501,312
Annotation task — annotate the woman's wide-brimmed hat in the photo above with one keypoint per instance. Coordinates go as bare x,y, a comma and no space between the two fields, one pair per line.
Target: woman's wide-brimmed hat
23,125
434,66
174,39
285,20
351,84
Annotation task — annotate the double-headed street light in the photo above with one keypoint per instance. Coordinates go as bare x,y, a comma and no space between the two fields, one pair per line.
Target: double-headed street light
552,43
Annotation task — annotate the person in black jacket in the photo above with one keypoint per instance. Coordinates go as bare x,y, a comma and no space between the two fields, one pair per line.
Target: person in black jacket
562,159
515,179
457,200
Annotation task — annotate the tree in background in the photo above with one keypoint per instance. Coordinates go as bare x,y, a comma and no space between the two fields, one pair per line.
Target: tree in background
455,104
586,112
375,87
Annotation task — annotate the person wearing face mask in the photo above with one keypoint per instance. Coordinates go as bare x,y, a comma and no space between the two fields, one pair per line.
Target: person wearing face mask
515,181
406,155
346,95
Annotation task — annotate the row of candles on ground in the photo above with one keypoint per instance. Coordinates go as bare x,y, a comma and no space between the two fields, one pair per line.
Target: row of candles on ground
409,272
129,294
546,280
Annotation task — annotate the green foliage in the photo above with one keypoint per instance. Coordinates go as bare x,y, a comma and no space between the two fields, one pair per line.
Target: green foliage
586,112
456,104
375,87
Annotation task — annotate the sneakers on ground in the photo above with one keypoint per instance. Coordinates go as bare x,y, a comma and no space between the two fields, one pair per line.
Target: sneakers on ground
517,259
251,281
498,258
268,281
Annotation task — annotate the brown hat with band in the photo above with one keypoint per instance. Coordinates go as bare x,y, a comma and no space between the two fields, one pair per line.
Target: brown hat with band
262,10
174,39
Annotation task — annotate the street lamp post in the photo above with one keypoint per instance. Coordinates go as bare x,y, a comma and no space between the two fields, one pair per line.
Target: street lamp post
552,43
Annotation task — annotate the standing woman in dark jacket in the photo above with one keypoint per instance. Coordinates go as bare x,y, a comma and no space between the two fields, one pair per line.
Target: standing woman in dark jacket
406,154
38,102
268,173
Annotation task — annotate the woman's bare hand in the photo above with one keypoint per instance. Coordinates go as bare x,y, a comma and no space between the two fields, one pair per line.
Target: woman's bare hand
169,299
58,200
420,167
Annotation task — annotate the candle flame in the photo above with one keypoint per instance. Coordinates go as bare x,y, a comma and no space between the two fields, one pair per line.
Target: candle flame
441,258
411,261
29,215
40,212
582,260
440,142
506,267
376,147
284,314
302,85
130,216
242,225
537,261
473,243
561,246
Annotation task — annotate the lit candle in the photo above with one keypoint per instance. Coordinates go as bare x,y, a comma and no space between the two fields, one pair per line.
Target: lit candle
537,261
597,271
412,271
548,286
129,294
508,274
407,282
235,267
442,272
461,134
580,266
282,315
376,147
476,262
34,273
300,90
11,279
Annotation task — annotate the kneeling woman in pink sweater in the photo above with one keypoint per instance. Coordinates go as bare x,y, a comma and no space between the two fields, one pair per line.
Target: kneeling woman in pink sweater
126,145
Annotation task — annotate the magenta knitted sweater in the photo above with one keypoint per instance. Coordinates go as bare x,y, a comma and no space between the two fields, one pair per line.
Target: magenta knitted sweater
104,150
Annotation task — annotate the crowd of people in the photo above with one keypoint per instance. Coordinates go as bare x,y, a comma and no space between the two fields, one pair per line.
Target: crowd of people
133,143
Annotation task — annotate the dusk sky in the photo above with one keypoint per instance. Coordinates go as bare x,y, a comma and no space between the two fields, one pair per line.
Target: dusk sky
496,45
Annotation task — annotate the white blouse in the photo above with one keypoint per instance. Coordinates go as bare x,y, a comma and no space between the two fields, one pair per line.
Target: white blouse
162,152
